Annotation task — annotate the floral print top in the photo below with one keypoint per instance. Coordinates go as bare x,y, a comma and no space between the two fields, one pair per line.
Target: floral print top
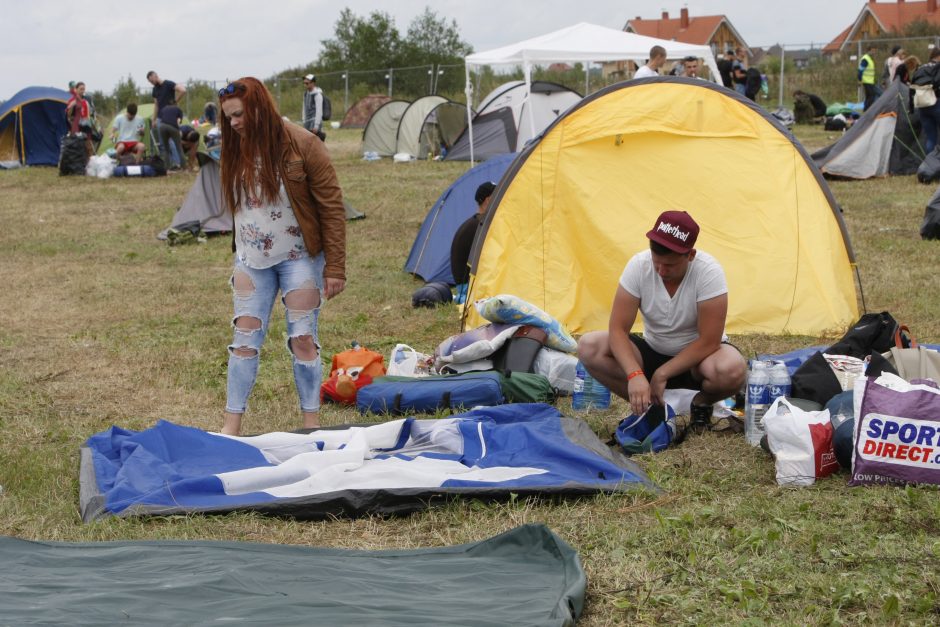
266,235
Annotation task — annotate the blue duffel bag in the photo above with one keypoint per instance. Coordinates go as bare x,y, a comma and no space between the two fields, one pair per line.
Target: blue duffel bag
404,395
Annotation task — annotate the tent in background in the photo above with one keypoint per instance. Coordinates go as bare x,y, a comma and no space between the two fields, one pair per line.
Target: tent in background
576,204
501,125
441,129
32,125
884,141
408,136
381,133
430,253
359,114
203,203
584,43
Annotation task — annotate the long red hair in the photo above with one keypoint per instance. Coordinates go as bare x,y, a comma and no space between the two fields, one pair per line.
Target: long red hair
250,161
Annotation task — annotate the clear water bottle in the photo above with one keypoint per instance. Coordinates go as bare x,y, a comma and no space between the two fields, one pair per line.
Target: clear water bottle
779,381
756,401
588,392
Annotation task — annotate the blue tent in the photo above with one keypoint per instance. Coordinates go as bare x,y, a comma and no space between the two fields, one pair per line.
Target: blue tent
430,253
32,124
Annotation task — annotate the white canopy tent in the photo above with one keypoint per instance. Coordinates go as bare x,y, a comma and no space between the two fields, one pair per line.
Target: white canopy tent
585,43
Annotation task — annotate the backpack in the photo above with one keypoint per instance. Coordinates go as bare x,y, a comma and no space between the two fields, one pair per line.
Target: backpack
327,108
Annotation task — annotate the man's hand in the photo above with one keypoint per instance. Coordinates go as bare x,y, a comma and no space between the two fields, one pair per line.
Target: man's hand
332,287
639,392
658,388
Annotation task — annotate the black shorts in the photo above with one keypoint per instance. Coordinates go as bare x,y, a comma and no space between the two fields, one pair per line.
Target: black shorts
653,360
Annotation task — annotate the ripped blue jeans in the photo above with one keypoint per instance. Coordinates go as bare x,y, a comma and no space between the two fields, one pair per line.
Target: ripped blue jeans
300,282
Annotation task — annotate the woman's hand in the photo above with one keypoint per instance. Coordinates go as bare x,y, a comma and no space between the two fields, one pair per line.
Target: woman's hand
332,287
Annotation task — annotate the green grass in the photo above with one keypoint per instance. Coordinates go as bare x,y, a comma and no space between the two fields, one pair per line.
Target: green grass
102,324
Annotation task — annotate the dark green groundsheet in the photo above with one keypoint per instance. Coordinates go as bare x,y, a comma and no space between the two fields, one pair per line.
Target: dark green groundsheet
526,576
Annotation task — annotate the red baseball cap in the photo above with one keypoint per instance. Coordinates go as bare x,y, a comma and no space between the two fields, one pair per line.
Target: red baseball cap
676,230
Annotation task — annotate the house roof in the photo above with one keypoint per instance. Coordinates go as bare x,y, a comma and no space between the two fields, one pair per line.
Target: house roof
700,28
891,17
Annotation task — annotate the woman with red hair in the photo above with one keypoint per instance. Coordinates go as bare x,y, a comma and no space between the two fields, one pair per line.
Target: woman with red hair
289,236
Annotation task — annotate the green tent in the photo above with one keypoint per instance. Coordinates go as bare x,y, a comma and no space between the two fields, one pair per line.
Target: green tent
526,576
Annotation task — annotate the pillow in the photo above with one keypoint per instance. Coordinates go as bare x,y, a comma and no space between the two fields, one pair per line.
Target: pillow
513,310
474,344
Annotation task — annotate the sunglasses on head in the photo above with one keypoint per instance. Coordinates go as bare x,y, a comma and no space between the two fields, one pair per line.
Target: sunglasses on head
230,89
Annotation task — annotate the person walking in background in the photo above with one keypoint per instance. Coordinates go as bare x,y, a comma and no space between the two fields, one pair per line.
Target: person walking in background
898,54
312,113
928,74
163,91
657,60
725,67
170,117
739,71
289,236
866,77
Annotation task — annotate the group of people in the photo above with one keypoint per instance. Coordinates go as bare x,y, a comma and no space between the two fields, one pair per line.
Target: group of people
732,68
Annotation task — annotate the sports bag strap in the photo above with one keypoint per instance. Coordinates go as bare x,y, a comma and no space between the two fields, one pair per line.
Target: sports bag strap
903,333
445,399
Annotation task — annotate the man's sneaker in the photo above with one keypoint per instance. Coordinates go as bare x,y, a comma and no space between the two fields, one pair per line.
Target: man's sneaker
701,417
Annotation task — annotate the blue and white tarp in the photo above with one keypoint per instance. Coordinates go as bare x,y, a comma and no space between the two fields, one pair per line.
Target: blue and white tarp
385,468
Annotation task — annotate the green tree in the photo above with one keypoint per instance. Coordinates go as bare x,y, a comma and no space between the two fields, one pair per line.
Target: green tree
126,91
432,40
362,44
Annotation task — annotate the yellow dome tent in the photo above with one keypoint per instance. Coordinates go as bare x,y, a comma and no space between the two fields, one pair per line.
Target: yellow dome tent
577,202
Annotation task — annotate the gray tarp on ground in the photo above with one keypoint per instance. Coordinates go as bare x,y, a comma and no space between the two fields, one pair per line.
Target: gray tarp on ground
526,576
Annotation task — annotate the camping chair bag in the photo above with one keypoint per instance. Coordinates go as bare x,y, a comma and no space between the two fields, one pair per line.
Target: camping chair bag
403,395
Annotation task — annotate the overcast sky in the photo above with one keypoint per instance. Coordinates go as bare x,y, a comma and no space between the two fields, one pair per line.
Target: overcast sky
50,42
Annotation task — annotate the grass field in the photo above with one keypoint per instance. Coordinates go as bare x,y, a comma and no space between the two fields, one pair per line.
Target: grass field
103,324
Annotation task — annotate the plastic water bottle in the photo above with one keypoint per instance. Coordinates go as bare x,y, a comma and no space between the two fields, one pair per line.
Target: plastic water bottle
779,381
756,402
588,392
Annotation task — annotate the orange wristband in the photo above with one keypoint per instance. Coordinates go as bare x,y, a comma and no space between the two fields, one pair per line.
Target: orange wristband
635,373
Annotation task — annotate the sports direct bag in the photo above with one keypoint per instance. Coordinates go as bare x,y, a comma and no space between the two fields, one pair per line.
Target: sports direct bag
403,395
801,442
897,432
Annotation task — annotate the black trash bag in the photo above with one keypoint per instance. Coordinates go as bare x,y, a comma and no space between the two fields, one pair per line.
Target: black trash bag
155,162
930,227
72,155
432,294
929,169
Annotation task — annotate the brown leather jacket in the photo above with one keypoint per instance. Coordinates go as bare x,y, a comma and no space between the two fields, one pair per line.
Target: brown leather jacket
315,197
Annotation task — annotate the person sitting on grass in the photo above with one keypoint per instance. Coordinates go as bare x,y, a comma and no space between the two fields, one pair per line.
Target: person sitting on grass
682,295
127,134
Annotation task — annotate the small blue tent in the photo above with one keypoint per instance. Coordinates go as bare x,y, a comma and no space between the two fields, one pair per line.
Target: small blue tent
430,253
32,124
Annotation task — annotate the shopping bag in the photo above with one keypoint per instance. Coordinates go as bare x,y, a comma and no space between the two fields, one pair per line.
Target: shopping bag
801,442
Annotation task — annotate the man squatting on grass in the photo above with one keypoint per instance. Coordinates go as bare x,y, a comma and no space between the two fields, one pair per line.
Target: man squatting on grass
682,296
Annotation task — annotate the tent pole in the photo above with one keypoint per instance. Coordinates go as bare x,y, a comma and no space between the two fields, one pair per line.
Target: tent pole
527,67
783,61
468,92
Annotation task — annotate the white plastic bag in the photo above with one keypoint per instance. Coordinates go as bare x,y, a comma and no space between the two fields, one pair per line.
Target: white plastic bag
801,442
100,166
557,367
405,361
